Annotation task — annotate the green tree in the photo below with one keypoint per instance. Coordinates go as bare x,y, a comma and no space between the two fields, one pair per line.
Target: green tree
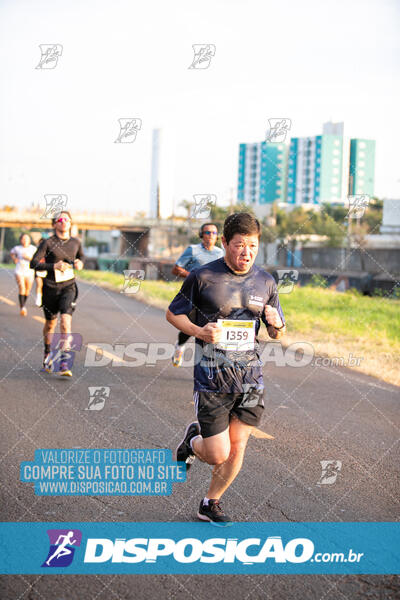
373,215
327,223
187,205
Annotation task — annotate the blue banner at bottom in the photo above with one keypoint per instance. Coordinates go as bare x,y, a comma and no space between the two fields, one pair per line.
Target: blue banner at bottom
199,548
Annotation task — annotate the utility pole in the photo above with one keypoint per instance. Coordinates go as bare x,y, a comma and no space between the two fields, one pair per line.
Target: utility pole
349,218
3,229
158,201
230,200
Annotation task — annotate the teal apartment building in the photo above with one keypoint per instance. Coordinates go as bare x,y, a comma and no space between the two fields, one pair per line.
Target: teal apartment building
315,169
362,167
262,174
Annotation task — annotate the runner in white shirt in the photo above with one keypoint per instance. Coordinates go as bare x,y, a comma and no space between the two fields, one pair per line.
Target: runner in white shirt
22,255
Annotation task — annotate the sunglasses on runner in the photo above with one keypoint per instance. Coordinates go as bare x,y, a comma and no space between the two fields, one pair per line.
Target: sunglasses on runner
210,232
62,220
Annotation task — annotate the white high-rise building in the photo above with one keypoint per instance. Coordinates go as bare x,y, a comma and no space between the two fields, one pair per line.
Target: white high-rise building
155,175
330,128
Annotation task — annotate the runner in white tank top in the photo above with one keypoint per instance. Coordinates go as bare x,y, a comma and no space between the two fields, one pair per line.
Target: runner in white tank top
22,255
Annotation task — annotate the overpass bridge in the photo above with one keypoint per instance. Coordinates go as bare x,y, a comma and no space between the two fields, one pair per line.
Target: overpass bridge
137,236
85,221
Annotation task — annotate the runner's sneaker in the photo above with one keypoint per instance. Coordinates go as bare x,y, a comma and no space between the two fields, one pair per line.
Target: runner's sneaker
38,300
213,513
184,452
47,363
178,355
23,312
65,371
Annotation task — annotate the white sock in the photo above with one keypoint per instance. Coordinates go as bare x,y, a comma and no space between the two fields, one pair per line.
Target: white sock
205,501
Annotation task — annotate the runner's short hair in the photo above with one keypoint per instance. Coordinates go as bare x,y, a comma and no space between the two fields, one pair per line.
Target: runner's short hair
243,223
204,226
22,235
62,212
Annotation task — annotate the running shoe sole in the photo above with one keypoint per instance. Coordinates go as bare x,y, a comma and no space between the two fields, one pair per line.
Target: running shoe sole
67,373
215,523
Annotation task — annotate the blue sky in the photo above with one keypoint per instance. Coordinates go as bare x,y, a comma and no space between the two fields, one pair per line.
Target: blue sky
308,61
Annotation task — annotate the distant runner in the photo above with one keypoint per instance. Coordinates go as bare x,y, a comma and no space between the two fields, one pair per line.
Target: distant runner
195,256
62,254
230,297
39,276
22,255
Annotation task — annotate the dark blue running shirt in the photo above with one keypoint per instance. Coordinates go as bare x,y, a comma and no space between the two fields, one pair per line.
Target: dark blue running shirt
214,292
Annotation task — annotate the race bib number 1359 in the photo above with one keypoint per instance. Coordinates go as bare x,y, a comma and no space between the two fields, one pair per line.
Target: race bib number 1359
237,335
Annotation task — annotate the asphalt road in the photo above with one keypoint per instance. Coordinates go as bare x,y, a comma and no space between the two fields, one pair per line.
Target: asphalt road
312,414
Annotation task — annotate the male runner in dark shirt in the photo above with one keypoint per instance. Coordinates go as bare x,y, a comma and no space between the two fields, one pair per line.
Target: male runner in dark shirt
62,254
230,297
195,256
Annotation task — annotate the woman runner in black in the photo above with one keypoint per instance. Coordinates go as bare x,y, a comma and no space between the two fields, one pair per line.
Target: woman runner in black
230,297
62,254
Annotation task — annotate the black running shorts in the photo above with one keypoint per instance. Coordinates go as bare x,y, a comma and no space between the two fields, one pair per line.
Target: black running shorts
58,300
214,411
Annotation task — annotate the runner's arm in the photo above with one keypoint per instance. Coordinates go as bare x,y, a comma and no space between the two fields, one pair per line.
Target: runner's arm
180,271
275,333
40,255
274,319
79,259
182,305
183,261
13,255
183,323
210,333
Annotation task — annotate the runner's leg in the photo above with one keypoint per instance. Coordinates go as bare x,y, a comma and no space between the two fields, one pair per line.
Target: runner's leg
48,330
213,450
65,325
39,284
65,346
28,285
21,289
22,294
39,289
65,328
179,346
224,450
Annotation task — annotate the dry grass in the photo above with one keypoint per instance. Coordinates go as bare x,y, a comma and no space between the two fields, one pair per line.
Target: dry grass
336,324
